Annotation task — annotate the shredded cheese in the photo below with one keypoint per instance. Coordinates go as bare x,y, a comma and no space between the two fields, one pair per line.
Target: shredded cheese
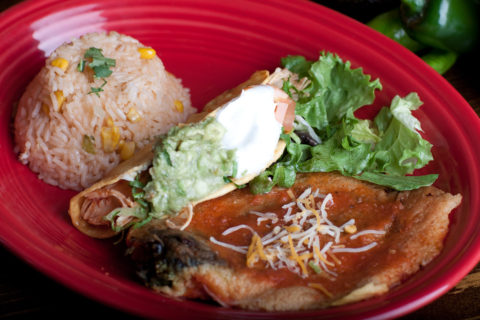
294,240
251,253
321,288
265,217
172,225
334,257
364,248
305,194
241,249
189,219
290,194
351,228
364,232
293,228
260,249
233,229
320,256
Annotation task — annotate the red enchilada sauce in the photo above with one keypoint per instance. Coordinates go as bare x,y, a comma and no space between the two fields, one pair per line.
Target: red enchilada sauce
373,209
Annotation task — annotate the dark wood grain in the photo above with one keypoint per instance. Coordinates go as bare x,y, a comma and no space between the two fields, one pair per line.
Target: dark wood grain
26,293
5,4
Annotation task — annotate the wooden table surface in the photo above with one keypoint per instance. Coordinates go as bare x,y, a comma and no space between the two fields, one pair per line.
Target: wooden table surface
25,292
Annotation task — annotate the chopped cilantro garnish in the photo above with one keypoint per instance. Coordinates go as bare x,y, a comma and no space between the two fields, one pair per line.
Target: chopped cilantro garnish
138,193
81,66
315,267
141,202
98,89
111,217
137,183
100,65
229,180
167,157
136,216
143,222
240,186
234,173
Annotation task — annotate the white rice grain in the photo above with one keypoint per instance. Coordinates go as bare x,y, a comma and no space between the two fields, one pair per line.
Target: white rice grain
51,144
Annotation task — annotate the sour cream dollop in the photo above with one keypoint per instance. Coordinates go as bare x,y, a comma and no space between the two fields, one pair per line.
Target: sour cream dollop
252,129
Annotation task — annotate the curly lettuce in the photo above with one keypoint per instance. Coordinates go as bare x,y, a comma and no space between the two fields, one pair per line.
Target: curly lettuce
383,151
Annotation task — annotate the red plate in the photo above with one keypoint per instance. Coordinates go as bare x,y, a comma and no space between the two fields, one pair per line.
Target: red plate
213,45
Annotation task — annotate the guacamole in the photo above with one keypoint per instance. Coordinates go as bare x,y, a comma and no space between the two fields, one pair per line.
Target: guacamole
189,164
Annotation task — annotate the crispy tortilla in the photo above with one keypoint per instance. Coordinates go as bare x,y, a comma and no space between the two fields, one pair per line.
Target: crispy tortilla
142,159
187,264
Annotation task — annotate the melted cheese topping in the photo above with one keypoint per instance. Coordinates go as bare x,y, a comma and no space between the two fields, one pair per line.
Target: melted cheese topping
294,243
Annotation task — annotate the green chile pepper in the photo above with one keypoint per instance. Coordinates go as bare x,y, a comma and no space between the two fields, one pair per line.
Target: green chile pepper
389,24
439,30
440,60
451,25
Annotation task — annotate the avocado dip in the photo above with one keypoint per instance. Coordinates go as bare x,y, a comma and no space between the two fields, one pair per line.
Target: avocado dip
189,164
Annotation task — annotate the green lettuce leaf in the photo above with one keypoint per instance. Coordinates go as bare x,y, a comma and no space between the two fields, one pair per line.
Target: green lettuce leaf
297,64
402,110
314,112
401,149
340,87
363,132
381,151
399,182
335,88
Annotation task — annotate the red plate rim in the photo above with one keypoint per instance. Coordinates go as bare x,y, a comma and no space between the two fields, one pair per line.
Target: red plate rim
66,269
